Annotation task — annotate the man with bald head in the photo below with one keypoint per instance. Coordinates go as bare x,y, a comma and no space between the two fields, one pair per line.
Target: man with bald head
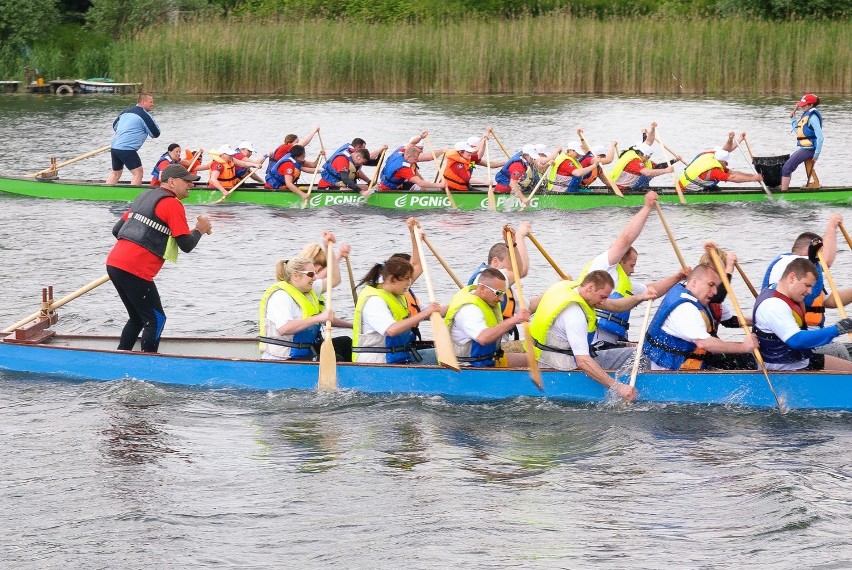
680,336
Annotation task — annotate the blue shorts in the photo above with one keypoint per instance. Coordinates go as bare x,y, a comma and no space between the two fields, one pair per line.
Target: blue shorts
122,158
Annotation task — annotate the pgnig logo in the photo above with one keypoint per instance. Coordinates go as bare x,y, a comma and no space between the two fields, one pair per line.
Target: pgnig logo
319,200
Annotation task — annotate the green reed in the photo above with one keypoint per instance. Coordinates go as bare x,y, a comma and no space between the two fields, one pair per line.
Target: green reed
548,54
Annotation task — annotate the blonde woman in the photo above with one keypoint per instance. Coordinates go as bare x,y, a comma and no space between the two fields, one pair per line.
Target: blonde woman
292,315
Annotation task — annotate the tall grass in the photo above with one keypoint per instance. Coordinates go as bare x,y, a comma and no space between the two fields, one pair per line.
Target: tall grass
552,54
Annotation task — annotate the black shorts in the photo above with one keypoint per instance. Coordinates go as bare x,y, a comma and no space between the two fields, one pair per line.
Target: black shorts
817,362
122,158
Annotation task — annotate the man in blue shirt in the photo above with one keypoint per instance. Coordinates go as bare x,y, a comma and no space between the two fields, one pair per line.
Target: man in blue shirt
132,127
809,137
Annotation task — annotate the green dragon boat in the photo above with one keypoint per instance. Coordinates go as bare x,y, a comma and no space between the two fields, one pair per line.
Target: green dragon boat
410,201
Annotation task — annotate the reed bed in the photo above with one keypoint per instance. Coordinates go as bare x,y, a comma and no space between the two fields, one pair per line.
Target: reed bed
553,54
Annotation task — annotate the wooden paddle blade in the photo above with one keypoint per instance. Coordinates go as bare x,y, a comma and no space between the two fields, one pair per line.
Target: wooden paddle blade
443,343
492,201
529,347
327,365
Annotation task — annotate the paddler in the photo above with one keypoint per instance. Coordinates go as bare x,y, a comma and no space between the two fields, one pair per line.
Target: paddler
289,141
284,174
223,169
401,173
515,174
680,336
150,232
634,170
564,323
619,261
711,167
567,173
243,159
171,156
343,168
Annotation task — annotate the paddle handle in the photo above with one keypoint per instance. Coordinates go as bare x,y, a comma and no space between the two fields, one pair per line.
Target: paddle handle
845,235
351,279
720,269
438,166
314,177
549,259
503,148
492,200
418,236
322,146
601,174
529,347
746,280
73,160
671,235
56,304
441,261
194,160
640,343
376,172
669,160
532,194
834,292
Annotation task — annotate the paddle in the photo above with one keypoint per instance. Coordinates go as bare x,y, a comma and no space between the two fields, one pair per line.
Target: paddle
529,347
845,235
492,201
746,280
674,177
243,179
440,172
720,269
834,292
604,178
71,161
506,152
442,262
327,359
351,279
530,197
640,343
313,181
549,259
375,177
195,158
447,188
443,343
671,235
57,304
751,162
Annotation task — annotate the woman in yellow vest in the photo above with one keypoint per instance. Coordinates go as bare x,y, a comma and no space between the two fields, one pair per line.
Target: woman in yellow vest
382,326
292,315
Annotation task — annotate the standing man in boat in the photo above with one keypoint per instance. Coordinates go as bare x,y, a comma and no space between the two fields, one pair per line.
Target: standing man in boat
620,262
565,322
785,340
681,333
809,137
132,127
150,232
711,167
476,323
817,300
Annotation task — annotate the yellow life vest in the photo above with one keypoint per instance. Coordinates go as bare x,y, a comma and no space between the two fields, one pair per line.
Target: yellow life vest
557,297
396,303
465,296
625,159
309,303
704,162
551,173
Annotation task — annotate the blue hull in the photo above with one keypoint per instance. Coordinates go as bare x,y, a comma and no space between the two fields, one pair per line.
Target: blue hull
796,390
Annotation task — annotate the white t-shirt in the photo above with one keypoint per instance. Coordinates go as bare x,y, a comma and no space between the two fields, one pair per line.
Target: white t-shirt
684,322
774,315
569,326
468,324
601,262
281,308
376,316
775,275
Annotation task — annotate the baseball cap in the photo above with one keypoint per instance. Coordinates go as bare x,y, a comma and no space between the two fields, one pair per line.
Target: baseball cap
226,149
644,149
177,171
808,99
599,150
541,149
473,141
246,145
575,146
722,155
464,146
529,150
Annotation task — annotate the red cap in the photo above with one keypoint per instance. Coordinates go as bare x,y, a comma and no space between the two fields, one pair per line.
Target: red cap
808,99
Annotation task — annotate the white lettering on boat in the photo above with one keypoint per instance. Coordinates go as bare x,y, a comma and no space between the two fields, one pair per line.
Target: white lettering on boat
416,201
318,200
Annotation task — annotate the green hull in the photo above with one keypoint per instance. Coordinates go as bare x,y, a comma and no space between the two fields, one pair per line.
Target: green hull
431,200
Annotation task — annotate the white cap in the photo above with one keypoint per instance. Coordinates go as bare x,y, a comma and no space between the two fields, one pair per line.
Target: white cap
226,149
599,150
246,145
541,149
464,146
644,149
474,141
575,146
529,150
722,155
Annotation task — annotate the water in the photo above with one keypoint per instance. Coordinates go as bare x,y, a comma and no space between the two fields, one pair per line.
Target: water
128,474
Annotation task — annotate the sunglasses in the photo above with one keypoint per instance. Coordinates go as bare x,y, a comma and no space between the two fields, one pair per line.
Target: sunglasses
310,274
498,292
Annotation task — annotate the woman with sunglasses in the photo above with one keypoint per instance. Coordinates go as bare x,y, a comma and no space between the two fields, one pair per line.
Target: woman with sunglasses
292,315
382,326
316,252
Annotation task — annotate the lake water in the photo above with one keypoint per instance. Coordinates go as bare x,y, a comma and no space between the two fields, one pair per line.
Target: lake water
134,475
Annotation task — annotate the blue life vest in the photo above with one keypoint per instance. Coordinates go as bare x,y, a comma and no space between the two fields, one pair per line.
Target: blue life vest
773,349
502,177
276,180
670,351
395,161
814,302
155,173
328,173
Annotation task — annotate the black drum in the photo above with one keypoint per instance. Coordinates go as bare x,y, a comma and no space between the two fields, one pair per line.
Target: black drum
770,168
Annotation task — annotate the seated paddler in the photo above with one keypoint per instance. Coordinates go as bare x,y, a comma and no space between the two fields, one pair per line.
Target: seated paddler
634,170
476,324
292,315
680,336
382,326
711,167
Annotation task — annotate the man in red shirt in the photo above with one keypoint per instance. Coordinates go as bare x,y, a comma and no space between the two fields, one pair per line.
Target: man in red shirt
400,173
342,172
711,167
150,232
